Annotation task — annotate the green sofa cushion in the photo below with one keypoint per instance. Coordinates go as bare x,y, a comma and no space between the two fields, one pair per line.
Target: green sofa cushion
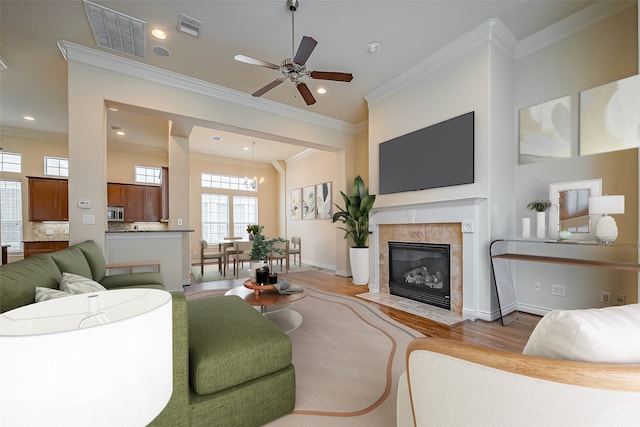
130,280
18,280
72,260
94,257
230,343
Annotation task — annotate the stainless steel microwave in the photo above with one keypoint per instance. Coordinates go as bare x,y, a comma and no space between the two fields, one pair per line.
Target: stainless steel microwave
115,213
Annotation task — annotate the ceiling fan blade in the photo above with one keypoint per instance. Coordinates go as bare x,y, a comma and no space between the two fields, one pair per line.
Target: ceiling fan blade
330,75
307,44
306,93
253,61
267,88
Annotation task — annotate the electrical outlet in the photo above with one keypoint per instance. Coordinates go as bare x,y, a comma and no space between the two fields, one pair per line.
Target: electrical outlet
620,299
537,286
605,297
179,221
558,290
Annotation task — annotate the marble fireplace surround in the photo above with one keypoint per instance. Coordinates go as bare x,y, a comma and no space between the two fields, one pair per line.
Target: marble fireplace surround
452,222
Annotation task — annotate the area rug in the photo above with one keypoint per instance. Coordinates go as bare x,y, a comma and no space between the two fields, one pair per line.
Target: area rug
211,273
348,357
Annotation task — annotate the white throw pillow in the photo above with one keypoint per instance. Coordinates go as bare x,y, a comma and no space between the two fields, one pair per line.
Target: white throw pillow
610,334
46,294
74,284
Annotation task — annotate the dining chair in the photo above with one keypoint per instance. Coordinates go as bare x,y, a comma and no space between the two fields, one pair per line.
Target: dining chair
295,249
207,254
242,253
278,257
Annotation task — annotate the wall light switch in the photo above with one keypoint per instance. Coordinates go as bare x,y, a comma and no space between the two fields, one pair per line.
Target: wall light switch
88,219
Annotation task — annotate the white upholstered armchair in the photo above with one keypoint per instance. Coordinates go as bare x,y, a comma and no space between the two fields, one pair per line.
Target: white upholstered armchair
449,383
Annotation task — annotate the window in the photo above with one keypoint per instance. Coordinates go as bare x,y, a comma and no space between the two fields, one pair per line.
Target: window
245,212
209,180
215,217
56,166
11,214
148,175
10,162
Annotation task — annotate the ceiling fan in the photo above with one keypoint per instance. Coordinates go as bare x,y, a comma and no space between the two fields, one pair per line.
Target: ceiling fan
295,69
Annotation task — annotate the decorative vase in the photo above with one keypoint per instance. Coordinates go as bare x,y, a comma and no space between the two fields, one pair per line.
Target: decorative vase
359,258
526,228
541,226
252,270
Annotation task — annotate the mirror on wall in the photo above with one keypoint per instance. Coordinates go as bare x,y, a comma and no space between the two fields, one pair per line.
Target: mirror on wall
570,207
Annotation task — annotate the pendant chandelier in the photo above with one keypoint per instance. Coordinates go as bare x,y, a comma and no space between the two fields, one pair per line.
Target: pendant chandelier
252,183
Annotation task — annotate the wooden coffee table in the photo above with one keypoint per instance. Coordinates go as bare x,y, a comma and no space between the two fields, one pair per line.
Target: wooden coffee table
274,306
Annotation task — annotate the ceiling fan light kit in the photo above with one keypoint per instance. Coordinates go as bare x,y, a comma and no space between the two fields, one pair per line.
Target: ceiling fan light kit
295,69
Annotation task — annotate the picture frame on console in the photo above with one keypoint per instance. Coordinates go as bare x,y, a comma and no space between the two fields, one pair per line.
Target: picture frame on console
570,208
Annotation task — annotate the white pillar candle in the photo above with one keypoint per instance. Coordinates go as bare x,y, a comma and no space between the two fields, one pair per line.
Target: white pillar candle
526,228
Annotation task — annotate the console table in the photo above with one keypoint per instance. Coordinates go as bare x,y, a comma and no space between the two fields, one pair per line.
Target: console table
503,250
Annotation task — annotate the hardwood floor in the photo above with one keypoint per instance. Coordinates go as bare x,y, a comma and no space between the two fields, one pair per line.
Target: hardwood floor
487,334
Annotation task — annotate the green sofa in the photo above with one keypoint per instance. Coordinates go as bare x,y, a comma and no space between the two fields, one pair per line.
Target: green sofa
231,366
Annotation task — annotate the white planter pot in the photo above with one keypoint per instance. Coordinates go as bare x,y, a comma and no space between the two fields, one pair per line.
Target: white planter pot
359,265
252,270
541,224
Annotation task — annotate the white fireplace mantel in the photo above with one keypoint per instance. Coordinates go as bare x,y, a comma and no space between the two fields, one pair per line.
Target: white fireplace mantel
466,211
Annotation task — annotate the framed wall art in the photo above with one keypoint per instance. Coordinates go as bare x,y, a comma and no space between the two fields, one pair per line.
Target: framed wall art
323,200
545,131
296,203
308,203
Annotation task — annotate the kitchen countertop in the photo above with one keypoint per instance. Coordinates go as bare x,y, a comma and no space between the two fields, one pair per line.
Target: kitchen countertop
44,240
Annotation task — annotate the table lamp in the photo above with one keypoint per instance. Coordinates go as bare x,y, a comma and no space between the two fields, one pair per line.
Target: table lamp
606,230
114,370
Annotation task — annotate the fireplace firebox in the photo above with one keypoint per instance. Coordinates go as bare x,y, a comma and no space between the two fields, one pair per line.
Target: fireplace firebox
420,271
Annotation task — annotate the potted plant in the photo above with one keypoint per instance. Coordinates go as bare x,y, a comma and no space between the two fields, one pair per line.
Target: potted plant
261,247
355,217
540,206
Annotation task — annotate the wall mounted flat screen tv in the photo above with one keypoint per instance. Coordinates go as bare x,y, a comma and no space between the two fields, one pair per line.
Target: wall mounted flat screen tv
440,155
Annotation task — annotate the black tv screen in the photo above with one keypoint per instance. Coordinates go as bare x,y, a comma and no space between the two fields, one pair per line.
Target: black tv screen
440,155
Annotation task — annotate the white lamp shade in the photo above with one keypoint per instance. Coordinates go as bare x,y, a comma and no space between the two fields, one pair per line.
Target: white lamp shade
606,205
115,374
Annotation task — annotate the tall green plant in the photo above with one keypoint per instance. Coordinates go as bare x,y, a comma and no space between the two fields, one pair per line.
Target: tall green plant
262,245
355,214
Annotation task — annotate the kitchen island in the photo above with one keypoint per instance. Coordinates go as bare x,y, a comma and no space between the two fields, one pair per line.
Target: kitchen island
168,247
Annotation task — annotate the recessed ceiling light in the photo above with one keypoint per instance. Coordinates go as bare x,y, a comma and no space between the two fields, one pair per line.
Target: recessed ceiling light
321,90
373,47
28,118
120,133
113,109
159,34
245,148
216,139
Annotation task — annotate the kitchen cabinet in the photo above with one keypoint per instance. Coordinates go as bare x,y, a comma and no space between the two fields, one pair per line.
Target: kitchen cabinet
48,199
115,194
34,248
142,203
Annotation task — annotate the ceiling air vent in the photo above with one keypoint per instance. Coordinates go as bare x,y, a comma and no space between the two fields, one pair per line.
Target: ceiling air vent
189,25
116,31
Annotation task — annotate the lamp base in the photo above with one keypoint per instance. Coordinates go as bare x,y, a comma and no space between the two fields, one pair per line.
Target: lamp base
606,230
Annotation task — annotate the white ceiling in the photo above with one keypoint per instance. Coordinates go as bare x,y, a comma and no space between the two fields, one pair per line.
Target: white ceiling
409,31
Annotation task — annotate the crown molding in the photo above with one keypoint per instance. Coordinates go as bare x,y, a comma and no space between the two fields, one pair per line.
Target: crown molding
491,30
106,61
564,28
301,155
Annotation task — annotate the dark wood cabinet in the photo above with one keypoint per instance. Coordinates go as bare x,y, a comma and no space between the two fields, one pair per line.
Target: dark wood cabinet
34,248
115,194
48,199
142,203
